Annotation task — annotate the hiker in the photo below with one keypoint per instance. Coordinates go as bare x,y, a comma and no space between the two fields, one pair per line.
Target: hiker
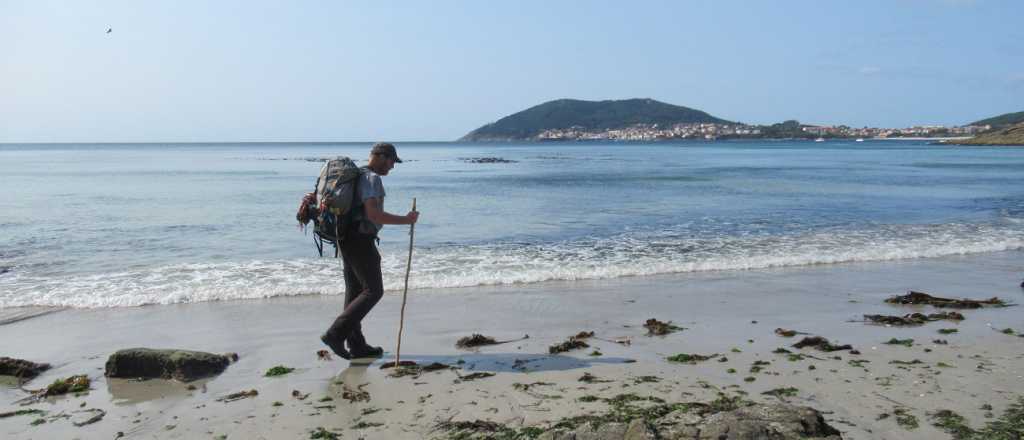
364,283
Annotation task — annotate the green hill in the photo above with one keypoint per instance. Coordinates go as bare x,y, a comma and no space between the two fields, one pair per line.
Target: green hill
1013,135
589,115
1002,120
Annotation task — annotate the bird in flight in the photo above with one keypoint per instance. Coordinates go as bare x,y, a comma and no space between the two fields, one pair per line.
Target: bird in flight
109,30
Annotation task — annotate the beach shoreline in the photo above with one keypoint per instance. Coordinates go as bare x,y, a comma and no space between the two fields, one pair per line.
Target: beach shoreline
730,313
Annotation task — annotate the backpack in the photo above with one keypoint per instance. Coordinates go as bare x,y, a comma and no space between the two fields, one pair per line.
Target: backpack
333,204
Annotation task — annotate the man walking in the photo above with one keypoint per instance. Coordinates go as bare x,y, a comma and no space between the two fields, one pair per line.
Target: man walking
364,284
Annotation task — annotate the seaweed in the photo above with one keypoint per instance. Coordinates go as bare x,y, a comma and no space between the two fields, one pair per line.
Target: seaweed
1009,426
660,328
920,298
903,342
574,342
21,412
691,359
757,366
787,333
590,378
913,319
238,396
322,434
821,344
363,425
899,362
953,424
905,419
73,384
476,340
416,369
279,370
781,392
474,376
356,395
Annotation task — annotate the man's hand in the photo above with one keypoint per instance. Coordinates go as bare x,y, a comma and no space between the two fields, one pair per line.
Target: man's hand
412,217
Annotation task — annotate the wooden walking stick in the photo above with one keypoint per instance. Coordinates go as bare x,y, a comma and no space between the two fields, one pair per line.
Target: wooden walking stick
405,291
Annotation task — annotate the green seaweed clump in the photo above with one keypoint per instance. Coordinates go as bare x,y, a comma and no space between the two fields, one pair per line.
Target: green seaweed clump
904,419
1009,426
903,342
73,384
952,423
279,370
322,434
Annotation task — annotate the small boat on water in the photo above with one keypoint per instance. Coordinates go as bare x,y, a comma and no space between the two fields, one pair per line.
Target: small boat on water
859,140
819,140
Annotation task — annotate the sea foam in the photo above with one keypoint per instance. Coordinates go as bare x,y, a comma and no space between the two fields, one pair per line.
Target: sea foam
626,254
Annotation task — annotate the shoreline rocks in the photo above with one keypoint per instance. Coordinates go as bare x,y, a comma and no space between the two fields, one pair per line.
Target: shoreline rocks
183,365
20,368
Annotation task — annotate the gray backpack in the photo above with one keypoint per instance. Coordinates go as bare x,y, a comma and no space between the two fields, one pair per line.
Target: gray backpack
336,201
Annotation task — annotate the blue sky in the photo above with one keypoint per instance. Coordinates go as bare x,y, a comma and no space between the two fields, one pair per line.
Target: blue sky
344,71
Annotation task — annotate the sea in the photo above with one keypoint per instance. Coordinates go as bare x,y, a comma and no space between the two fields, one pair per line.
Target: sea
120,225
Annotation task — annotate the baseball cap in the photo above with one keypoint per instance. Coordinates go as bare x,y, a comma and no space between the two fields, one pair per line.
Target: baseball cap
385,149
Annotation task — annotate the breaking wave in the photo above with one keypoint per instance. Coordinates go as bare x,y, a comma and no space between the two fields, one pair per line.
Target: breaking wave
626,254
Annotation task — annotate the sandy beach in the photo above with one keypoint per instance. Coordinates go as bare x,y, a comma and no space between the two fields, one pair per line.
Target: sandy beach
730,313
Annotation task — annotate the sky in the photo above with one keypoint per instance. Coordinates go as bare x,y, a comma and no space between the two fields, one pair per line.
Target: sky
241,71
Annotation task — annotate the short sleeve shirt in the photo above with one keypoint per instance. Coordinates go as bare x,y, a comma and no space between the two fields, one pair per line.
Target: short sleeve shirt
370,186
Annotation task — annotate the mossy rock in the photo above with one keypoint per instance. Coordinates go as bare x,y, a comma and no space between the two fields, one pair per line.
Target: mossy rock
183,365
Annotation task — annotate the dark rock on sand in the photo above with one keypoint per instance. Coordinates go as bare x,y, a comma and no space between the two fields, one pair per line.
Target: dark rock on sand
183,365
778,421
21,368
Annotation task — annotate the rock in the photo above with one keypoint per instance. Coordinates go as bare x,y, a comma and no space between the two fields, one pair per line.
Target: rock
680,417
768,422
606,431
639,430
558,434
183,365
21,368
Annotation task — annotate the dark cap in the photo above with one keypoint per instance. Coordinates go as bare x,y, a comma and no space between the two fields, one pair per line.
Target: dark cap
385,149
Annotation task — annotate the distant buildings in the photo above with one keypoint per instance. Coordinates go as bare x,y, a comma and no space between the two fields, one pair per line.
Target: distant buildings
653,132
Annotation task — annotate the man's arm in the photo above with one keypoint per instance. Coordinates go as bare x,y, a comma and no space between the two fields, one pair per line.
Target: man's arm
377,215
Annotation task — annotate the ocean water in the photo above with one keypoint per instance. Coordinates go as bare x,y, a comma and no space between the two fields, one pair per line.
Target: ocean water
109,225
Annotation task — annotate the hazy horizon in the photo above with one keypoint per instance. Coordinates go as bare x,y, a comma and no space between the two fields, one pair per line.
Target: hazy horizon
193,72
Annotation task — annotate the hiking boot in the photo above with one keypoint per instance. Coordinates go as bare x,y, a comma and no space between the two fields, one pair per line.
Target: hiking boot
367,351
337,346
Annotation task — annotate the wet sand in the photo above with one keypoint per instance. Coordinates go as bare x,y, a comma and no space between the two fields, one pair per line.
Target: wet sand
730,313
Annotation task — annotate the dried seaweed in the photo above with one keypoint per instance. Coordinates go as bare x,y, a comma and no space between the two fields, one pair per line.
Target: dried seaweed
238,396
913,319
476,340
691,359
919,298
821,344
660,328
574,342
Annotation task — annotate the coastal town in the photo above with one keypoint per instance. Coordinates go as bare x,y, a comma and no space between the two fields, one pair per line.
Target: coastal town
784,130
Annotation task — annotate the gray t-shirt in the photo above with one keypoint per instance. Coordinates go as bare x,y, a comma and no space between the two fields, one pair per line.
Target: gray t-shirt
370,186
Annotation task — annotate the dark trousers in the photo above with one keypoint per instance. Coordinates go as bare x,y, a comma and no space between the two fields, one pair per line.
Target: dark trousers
364,286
